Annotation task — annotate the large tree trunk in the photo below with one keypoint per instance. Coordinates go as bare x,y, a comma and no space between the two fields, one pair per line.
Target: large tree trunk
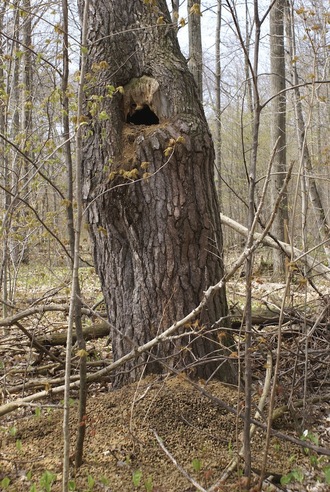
152,207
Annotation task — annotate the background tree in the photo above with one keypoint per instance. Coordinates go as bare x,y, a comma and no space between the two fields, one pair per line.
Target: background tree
278,126
218,120
156,234
309,185
175,11
195,62
5,172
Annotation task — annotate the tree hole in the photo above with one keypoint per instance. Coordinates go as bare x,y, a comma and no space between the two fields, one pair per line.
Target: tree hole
141,115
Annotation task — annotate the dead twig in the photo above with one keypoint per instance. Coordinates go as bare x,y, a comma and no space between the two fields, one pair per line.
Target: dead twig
280,411
12,320
235,461
176,464
38,345
273,432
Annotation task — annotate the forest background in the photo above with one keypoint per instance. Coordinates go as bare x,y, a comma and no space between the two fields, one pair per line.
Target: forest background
39,87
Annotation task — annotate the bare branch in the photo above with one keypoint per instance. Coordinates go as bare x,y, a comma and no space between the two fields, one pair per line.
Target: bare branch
176,464
287,248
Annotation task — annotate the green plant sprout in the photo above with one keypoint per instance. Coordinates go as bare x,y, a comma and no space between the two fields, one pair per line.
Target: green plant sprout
46,481
18,445
197,465
12,431
136,478
5,483
296,475
90,482
148,484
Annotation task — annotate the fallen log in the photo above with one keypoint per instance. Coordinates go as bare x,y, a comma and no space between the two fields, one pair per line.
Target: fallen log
280,411
260,317
287,248
97,330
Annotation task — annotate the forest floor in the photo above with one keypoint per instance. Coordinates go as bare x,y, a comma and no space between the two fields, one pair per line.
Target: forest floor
121,448
121,452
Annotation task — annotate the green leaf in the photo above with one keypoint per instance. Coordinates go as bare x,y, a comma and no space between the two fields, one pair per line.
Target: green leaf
110,89
149,484
137,475
5,482
327,474
47,479
285,479
197,464
298,475
103,116
91,482
13,431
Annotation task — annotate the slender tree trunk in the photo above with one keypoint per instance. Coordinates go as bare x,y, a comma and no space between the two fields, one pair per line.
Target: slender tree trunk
310,182
27,81
15,130
218,141
66,127
27,107
75,301
278,125
195,63
254,71
175,11
249,89
150,194
71,233
6,197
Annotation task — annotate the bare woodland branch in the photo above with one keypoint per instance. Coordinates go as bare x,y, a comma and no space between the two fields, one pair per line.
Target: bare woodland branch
12,320
287,248
176,464
234,462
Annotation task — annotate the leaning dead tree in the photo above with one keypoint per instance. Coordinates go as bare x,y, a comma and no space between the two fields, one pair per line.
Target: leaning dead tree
149,190
295,254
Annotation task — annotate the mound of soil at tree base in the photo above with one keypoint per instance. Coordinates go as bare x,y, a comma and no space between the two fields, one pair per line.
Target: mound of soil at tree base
121,451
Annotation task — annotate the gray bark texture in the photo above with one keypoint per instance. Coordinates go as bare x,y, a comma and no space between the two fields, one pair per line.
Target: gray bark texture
308,173
153,214
278,130
195,63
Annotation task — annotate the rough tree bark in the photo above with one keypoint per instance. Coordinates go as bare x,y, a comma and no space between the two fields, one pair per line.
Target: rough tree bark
149,190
